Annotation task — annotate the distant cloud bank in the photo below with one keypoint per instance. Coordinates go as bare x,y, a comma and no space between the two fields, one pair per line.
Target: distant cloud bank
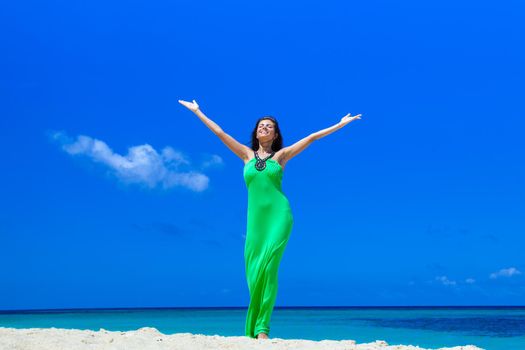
142,164
444,280
511,271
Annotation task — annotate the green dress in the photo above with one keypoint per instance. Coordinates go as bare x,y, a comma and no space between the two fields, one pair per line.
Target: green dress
269,225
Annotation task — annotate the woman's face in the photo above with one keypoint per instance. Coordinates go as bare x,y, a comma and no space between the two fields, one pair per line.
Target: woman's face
266,131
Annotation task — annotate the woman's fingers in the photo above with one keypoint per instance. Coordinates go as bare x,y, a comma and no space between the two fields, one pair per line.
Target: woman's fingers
348,118
192,106
185,103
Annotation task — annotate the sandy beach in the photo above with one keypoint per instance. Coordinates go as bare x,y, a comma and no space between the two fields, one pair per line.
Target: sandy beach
148,338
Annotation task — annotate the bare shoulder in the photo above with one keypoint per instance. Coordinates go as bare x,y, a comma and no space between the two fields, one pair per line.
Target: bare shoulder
248,154
280,157
281,154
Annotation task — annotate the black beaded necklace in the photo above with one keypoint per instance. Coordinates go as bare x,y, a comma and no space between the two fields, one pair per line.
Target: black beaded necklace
260,164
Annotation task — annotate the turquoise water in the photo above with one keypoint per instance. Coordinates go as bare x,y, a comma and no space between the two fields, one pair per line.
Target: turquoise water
492,328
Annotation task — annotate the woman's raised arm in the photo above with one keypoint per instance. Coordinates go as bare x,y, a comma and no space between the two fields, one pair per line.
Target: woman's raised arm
293,150
235,146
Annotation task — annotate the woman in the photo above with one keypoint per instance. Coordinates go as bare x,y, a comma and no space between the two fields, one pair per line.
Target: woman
270,218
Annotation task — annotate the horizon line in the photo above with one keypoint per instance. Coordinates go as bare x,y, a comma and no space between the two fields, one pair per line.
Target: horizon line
276,307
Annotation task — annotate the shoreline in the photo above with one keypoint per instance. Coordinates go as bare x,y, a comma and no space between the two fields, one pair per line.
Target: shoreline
148,338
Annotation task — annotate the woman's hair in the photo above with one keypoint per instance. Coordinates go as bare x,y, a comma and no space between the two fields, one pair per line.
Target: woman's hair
277,143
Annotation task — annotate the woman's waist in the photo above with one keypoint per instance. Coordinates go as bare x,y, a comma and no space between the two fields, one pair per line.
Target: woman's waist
277,202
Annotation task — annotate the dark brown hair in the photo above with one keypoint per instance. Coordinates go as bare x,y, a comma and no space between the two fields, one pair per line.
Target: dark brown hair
277,143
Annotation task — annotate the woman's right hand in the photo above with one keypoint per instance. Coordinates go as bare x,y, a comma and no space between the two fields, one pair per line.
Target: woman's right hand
192,106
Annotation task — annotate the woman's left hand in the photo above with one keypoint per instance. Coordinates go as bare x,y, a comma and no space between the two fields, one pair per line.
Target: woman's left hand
348,118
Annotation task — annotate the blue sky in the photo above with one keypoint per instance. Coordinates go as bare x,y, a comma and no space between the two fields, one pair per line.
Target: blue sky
114,195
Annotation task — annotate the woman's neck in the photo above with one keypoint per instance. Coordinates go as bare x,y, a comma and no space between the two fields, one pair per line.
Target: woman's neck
265,147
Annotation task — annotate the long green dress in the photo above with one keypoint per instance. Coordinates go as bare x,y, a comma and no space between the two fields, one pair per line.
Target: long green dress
269,226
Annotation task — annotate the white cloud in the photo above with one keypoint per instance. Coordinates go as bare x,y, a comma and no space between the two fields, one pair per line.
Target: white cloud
142,164
444,280
470,280
173,156
511,271
213,160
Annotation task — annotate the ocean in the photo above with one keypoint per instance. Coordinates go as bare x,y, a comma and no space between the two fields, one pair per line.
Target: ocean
491,328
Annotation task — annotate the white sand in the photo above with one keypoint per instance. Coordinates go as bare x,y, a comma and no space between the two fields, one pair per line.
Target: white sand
150,338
